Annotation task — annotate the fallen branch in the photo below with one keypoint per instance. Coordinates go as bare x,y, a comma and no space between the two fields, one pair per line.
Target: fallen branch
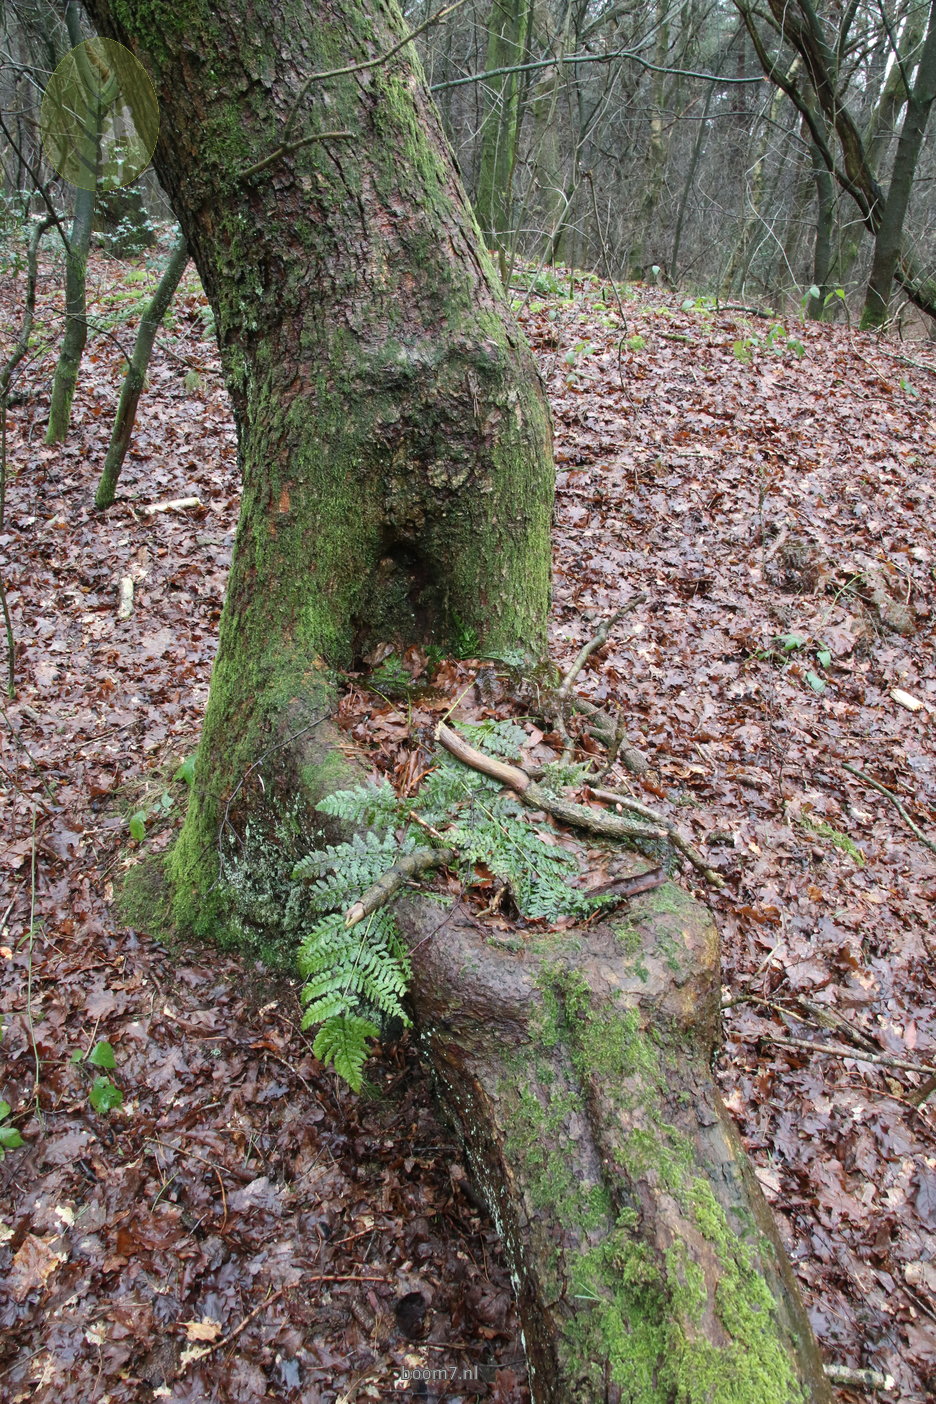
565,687
832,1050
673,834
176,504
407,867
861,1379
605,730
593,644
597,821
125,603
876,785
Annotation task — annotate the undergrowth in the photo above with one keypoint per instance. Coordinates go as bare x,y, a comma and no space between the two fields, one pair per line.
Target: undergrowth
357,978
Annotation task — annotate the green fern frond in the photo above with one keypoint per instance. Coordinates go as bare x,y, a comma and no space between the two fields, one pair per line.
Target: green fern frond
343,970
373,805
342,1041
350,972
501,738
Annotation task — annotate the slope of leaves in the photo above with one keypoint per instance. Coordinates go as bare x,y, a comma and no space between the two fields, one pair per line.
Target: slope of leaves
773,494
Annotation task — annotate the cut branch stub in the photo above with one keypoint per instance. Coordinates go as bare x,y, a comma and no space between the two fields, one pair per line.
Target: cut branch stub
578,1073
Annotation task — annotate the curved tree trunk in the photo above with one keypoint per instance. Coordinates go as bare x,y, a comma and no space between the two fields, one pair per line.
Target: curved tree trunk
135,377
394,443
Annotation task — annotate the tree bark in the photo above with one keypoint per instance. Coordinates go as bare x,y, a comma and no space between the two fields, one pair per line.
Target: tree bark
394,438
135,377
648,1266
75,336
889,238
508,29
394,444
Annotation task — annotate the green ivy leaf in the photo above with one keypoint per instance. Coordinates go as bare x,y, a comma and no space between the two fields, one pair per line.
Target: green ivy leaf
104,1096
102,1055
815,682
186,770
137,825
10,1138
824,657
791,641
5,1110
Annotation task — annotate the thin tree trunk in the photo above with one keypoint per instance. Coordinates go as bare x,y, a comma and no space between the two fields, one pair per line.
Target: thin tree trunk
508,31
75,336
825,223
135,378
889,238
697,149
76,256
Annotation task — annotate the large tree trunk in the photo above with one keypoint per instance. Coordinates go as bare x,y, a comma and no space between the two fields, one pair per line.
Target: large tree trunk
394,444
394,438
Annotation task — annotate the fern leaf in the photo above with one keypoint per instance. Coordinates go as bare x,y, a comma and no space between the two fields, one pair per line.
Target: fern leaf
342,1041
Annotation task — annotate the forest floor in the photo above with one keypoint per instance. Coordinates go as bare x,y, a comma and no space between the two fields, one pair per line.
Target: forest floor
241,1227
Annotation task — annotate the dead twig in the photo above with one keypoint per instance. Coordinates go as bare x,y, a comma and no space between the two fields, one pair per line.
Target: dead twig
232,1335
407,867
889,794
593,644
597,821
675,837
176,504
562,699
861,1379
832,1050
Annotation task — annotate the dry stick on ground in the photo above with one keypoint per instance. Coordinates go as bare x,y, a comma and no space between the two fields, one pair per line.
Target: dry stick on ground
862,1379
673,834
407,867
876,785
597,821
832,1050
232,1335
565,687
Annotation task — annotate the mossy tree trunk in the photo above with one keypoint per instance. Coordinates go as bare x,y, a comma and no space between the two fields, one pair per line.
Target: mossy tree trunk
508,31
394,438
397,487
75,336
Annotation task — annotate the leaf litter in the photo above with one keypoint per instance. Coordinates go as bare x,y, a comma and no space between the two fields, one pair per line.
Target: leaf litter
241,1227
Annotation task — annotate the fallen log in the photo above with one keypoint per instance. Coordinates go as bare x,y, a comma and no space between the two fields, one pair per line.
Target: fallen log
576,1070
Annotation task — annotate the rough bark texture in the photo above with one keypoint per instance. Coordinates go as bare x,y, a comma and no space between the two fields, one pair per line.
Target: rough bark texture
647,1264
394,438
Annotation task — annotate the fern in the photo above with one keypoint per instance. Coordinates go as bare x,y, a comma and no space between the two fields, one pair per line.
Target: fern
343,1042
352,974
367,806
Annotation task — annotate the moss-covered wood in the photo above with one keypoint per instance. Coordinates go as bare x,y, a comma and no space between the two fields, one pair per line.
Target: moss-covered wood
394,437
647,1264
